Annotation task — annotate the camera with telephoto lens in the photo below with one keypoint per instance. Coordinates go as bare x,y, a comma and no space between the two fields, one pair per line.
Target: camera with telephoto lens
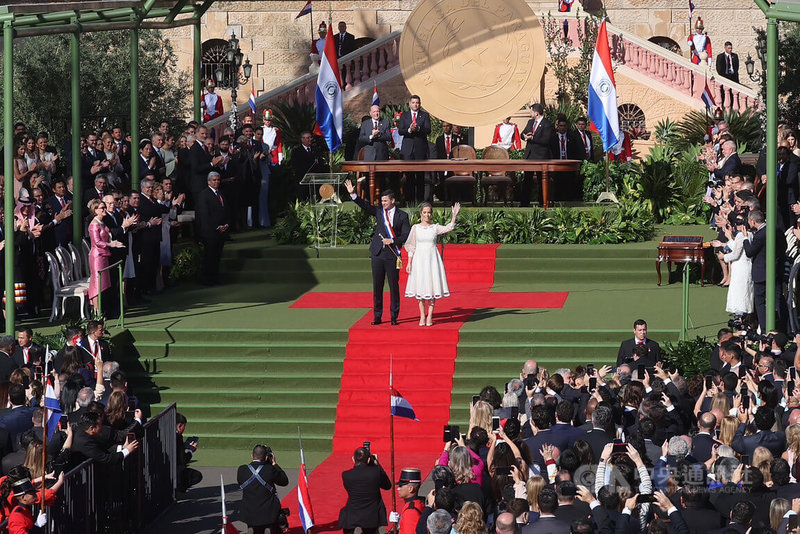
752,335
738,323
283,519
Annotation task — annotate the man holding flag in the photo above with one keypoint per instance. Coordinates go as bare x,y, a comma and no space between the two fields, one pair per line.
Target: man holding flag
261,507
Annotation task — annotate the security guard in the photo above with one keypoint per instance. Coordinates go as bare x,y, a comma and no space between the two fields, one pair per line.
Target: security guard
408,489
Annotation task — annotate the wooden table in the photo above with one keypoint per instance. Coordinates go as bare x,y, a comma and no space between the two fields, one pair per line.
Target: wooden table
545,166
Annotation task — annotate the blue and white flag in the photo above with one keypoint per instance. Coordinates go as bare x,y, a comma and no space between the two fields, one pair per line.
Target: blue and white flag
401,407
305,11
52,410
375,100
329,95
603,93
707,98
252,100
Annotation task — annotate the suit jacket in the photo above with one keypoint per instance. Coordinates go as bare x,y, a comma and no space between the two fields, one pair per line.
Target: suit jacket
702,520
364,507
85,447
19,357
731,166
261,504
756,249
597,440
570,512
304,161
540,146
774,441
589,141
441,148
574,146
7,366
788,190
200,166
626,351
17,421
400,225
210,214
722,67
344,45
415,144
701,447
149,208
565,435
375,148
62,230
547,525
87,161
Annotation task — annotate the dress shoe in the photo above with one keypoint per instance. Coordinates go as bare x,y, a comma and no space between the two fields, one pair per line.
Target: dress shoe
376,322
394,322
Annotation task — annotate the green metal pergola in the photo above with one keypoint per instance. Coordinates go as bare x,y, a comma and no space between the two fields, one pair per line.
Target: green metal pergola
27,18
786,10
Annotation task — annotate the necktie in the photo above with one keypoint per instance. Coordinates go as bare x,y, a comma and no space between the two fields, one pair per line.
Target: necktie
730,65
413,116
96,354
341,41
25,354
63,204
219,197
374,125
535,125
563,147
585,144
447,144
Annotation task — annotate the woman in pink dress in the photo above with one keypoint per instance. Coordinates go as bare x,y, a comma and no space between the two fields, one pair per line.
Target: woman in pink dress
98,256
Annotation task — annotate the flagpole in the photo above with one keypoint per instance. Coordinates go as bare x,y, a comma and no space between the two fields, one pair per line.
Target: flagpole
224,511
312,27
391,440
44,445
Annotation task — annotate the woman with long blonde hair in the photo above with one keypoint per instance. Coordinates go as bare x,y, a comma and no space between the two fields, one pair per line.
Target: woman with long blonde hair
762,459
480,414
792,452
470,519
533,487
727,429
777,509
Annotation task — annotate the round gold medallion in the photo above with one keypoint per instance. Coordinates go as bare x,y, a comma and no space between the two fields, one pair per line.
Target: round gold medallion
326,191
472,62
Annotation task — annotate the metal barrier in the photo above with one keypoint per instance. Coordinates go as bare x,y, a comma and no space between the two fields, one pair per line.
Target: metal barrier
118,265
99,498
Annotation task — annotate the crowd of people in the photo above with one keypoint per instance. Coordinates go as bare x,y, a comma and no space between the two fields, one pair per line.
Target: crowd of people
637,447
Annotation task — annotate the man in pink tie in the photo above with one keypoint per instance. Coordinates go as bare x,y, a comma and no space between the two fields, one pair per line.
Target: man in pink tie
626,348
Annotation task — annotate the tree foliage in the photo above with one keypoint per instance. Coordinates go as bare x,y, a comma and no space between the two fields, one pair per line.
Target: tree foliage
572,76
42,82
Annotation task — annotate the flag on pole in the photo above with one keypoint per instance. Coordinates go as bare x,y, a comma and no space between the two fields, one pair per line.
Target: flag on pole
691,10
305,11
603,92
52,410
227,528
401,407
252,100
707,98
329,95
304,500
375,100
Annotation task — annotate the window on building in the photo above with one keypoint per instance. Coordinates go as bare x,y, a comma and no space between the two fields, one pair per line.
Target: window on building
633,121
666,42
214,57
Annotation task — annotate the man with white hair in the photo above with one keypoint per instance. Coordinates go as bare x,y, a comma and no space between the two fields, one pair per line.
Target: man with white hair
440,522
85,397
728,165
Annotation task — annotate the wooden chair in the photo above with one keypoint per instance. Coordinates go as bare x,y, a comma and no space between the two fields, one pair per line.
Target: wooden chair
462,177
505,179
362,178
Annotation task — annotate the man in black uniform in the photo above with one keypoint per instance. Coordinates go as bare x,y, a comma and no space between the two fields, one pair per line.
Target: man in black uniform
261,506
364,483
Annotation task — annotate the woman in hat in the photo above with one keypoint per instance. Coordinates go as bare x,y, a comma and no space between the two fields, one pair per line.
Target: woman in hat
427,281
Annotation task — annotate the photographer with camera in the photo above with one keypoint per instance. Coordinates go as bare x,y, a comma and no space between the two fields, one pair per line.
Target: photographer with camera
364,508
261,507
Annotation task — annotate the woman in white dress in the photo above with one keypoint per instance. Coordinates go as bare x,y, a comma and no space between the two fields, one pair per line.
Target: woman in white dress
740,290
426,277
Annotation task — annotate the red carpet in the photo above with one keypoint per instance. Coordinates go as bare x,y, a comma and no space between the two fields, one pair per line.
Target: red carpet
423,360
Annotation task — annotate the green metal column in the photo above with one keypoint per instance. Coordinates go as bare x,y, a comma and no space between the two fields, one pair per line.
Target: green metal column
772,164
8,170
77,180
685,289
135,108
197,78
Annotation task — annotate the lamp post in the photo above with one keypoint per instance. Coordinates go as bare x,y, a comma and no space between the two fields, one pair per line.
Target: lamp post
750,65
234,57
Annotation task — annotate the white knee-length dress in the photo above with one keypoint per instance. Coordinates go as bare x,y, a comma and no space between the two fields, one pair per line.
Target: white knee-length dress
427,279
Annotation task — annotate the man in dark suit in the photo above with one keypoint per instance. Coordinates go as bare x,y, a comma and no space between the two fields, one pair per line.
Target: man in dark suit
540,418
149,238
703,443
538,134
586,138
305,159
730,162
212,225
25,343
764,437
99,189
201,162
569,507
374,135
597,437
88,442
63,221
697,511
7,365
756,249
625,354
260,503
414,126
788,166
563,434
345,42
391,231
567,144
446,141
741,516
728,64
364,508
20,417
547,523
93,160
123,148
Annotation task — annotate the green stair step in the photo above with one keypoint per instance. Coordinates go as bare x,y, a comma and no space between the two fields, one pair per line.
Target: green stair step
203,396
575,264
192,367
213,352
216,383
493,337
321,429
263,412
634,250
523,276
246,441
265,336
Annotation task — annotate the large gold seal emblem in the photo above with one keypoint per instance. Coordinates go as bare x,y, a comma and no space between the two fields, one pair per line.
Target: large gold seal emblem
473,62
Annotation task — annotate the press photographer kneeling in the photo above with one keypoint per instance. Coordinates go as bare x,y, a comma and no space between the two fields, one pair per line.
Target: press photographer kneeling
261,507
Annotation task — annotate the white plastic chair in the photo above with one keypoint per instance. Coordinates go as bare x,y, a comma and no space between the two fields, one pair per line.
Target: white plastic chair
67,269
61,292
